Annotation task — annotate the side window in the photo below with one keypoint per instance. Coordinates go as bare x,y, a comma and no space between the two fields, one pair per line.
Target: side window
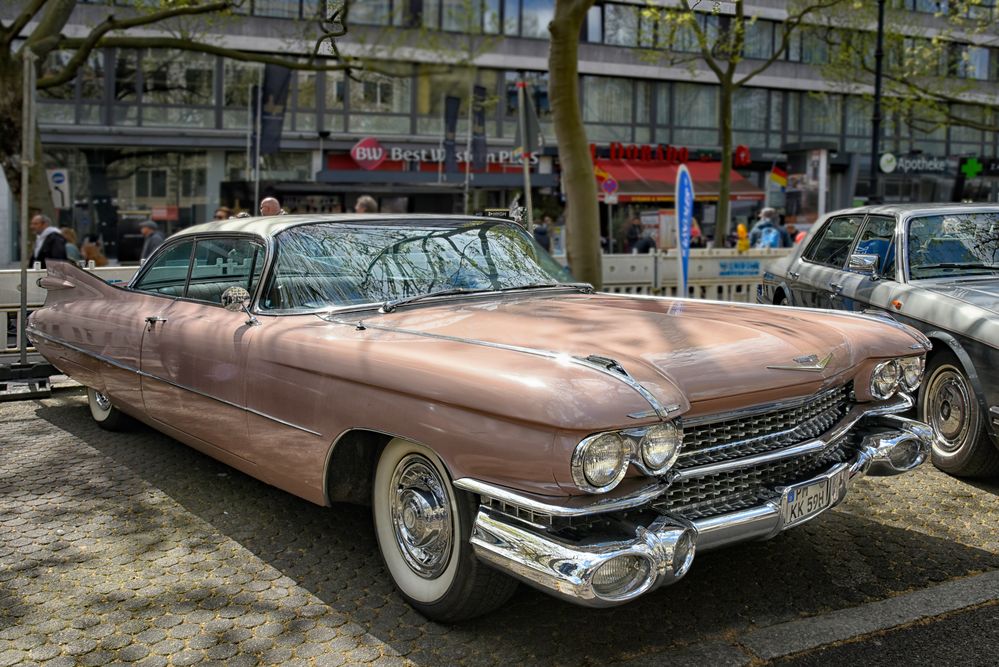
167,274
832,245
878,239
223,263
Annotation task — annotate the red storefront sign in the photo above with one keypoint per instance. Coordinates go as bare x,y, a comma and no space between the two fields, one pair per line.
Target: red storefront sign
368,153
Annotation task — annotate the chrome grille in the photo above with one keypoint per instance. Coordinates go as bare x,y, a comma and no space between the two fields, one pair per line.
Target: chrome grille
762,432
738,489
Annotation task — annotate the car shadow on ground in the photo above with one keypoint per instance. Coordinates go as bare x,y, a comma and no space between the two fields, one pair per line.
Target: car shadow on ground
837,561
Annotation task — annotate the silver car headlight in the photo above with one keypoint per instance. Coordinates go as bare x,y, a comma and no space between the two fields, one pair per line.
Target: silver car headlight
885,379
600,462
660,446
911,372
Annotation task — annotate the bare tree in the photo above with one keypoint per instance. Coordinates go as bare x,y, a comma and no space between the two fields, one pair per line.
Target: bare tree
685,37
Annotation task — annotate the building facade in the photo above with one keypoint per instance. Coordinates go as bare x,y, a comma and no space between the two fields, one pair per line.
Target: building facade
164,134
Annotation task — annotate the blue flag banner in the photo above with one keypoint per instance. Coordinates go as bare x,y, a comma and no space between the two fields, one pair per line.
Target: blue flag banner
684,222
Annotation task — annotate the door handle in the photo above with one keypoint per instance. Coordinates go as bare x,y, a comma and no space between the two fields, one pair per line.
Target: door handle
793,275
153,319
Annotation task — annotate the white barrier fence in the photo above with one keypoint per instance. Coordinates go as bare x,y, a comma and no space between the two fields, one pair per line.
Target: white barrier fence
721,274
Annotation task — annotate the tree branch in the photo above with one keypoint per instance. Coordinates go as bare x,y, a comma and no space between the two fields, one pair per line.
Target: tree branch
90,42
28,13
702,42
42,38
788,28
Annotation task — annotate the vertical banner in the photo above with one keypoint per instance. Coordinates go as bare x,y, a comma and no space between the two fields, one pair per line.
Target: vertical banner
684,216
451,105
479,148
275,99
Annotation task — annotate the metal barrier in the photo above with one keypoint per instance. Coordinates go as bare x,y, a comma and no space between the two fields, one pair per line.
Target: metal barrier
722,274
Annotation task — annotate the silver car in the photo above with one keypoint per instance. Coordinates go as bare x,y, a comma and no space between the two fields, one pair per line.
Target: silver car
935,267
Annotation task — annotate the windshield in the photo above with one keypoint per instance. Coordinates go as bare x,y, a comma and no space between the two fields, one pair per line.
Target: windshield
334,264
954,244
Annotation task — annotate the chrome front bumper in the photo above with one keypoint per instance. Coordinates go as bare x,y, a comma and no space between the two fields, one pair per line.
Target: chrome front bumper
663,551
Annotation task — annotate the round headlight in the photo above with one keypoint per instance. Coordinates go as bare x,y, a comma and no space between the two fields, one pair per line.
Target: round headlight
911,370
884,379
660,446
600,462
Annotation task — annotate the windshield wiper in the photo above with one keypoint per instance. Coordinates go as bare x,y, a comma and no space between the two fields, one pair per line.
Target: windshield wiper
585,287
958,265
389,306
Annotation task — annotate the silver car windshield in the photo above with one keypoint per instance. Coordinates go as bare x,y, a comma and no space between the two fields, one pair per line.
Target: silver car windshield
328,265
954,244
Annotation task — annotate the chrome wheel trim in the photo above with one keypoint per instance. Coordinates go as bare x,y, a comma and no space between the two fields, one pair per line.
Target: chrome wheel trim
950,409
421,516
103,402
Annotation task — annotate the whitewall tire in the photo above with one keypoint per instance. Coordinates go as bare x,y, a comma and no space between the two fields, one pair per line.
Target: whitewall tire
104,412
423,525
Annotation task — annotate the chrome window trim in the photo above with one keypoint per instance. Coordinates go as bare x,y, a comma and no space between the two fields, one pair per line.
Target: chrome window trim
141,373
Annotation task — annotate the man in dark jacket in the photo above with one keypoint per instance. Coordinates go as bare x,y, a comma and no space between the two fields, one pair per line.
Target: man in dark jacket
49,243
154,238
542,233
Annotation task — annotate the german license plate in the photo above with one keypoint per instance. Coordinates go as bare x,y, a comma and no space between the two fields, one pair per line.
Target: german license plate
800,503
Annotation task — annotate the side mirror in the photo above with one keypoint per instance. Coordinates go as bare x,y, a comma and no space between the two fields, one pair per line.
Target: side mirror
236,299
864,264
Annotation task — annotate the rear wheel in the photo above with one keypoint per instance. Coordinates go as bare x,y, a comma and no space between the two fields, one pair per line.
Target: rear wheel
104,413
423,526
947,402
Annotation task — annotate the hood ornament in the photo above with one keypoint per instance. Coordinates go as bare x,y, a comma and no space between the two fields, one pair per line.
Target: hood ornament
809,363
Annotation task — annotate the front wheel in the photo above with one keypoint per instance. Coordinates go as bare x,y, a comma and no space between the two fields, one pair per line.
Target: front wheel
423,526
947,402
104,413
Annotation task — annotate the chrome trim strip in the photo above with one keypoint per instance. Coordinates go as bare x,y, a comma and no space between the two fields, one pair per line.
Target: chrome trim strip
994,411
657,407
741,413
817,367
635,499
141,373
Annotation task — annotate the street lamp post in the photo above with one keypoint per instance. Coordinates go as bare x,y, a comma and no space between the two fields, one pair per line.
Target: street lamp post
874,197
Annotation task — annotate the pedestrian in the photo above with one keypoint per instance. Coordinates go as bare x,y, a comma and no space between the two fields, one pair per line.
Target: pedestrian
72,250
223,213
154,238
766,233
632,235
270,206
645,244
49,243
366,204
92,251
542,233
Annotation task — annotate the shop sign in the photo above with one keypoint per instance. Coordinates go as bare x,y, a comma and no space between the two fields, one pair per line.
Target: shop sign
645,152
369,154
912,164
973,167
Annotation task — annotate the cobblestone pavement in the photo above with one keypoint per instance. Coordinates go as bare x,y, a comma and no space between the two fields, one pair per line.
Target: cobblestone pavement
133,548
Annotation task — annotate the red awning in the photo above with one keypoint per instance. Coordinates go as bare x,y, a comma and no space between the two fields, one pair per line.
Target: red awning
651,182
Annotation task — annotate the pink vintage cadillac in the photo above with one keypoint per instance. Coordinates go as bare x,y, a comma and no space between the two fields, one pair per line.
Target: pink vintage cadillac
504,424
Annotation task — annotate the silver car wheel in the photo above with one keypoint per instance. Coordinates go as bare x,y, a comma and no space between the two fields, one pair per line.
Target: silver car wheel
103,402
421,515
950,408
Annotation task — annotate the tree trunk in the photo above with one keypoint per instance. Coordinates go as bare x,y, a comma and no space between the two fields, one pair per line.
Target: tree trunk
725,173
578,182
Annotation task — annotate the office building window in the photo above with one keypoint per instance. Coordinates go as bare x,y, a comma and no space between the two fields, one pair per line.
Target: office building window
535,17
759,39
621,25
238,81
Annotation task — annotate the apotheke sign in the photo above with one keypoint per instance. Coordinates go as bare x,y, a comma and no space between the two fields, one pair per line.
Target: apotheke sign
913,164
369,154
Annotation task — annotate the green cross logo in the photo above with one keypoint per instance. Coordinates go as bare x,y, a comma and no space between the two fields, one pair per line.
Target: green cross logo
971,168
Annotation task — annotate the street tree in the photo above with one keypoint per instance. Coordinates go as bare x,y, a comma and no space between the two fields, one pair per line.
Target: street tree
710,38
578,181
935,70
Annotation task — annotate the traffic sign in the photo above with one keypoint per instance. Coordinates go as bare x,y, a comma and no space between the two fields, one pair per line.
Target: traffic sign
62,195
684,220
609,186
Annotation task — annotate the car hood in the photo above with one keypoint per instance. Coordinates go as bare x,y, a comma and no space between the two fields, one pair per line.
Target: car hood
707,350
982,294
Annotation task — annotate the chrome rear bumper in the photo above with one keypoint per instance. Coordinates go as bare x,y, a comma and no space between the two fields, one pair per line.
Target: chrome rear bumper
663,551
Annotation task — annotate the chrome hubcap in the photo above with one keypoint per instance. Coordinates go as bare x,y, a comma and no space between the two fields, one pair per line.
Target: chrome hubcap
103,402
949,409
421,516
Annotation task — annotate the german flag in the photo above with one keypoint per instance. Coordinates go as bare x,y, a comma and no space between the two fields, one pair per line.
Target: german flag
778,176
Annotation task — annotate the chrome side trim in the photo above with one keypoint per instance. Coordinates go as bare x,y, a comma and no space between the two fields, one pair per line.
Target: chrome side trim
657,407
141,373
816,366
635,499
